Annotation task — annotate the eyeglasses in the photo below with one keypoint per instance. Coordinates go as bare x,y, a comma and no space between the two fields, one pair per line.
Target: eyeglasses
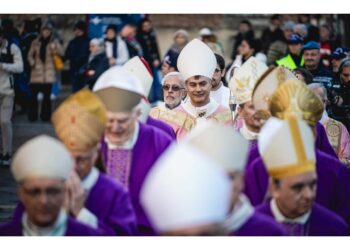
175,88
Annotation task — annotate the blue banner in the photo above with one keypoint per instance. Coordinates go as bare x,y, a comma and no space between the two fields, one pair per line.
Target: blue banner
97,23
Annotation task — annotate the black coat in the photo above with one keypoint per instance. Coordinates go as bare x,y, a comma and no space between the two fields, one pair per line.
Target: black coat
99,64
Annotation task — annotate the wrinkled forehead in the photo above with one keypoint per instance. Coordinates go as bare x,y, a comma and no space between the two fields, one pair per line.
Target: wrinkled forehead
313,52
174,80
42,182
119,115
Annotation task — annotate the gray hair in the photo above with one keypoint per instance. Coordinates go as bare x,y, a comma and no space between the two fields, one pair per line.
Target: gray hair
302,28
174,74
315,85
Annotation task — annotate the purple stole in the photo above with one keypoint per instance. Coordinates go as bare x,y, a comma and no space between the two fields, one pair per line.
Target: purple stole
162,126
74,228
260,225
150,144
322,222
333,184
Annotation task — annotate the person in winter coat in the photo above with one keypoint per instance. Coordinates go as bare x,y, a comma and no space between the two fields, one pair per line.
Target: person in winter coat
10,62
97,63
43,73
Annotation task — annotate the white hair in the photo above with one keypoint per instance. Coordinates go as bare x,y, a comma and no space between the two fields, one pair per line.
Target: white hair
174,74
315,85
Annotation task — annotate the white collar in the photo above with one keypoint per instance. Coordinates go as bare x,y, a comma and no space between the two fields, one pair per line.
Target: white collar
241,213
57,229
247,134
324,117
279,217
129,144
207,109
91,179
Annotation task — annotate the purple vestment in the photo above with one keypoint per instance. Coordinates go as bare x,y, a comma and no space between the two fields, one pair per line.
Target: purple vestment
150,144
162,126
322,222
260,225
74,228
322,143
333,183
110,203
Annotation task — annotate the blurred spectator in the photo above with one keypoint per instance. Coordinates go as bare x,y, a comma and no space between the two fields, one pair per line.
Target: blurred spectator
279,48
96,65
244,31
11,34
209,38
271,33
169,62
301,29
312,31
10,62
336,57
340,104
116,49
327,45
248,48
128,34
312,58
77,54
180,39
148,40
293,59
22,91
43,72
303,75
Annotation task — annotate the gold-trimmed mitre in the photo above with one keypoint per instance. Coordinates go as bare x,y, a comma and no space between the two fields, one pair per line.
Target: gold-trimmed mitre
244,79
267,84
293,97
80,120
296,156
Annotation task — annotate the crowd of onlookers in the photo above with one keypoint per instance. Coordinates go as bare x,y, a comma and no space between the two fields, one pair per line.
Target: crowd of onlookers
37,56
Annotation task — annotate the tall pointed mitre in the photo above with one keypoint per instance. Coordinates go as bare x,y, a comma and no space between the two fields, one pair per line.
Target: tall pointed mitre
293,97
221,143
267,84
244,79
80,120
196,58
119,89
142,71
297,153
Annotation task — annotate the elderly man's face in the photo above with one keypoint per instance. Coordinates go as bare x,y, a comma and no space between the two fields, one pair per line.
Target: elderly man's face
174,91
295,195
43,199
84,161
345,76
312,58
120,126
198,89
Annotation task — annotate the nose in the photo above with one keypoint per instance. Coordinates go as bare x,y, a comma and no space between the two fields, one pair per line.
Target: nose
43,199
308,193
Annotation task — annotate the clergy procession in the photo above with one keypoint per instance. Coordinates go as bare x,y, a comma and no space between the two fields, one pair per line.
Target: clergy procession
259,157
